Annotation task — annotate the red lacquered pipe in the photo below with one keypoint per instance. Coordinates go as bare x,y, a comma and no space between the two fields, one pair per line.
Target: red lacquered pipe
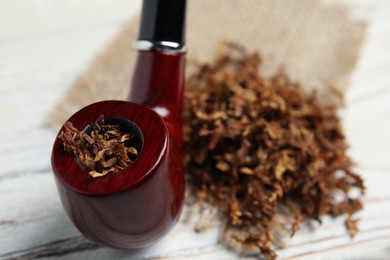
139,205
158,83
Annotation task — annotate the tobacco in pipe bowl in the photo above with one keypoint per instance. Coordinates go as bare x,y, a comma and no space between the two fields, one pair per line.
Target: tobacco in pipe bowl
137,206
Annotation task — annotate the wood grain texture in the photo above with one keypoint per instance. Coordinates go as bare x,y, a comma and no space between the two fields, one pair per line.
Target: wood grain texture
139,205
44,44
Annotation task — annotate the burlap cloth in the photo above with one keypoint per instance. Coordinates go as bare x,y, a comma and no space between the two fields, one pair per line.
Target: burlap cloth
316,42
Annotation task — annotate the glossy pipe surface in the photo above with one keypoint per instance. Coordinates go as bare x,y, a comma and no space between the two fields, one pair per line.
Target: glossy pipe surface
137,206
163,20
158,83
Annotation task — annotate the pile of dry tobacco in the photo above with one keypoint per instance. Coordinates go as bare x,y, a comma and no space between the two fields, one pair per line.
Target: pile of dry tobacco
257,147
104,150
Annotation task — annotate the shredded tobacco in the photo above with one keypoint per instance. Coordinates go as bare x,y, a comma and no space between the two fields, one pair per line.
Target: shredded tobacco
259,147
102,151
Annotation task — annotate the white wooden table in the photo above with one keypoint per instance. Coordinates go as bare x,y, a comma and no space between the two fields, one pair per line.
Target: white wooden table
45,44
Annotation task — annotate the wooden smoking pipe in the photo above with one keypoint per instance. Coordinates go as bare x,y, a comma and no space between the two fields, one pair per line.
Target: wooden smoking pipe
137,206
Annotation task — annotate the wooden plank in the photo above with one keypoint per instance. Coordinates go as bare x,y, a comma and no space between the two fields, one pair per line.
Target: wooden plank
46,43
39,227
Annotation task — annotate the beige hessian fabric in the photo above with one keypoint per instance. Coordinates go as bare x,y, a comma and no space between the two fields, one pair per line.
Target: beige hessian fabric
317,43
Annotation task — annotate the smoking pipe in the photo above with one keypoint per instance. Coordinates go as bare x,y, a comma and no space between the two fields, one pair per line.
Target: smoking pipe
139,205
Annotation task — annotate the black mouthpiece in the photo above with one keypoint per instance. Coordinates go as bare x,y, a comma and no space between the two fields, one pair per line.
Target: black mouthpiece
163,21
